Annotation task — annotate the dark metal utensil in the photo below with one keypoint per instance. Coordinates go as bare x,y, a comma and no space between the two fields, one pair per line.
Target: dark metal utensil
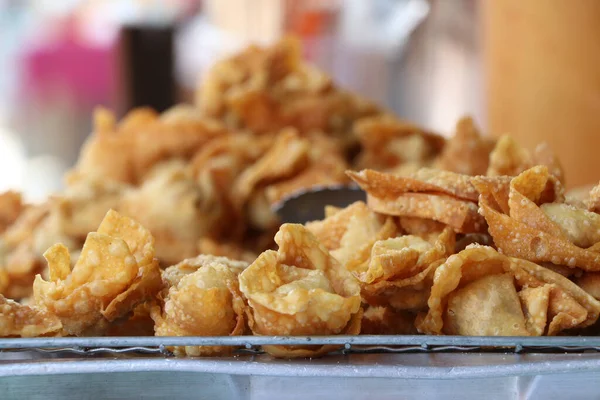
309,205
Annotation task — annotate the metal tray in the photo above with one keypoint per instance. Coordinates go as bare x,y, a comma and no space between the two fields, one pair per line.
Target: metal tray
366,366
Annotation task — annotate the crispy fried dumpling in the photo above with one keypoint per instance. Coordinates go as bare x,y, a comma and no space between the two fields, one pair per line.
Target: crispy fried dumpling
482,292
201,298
300,290
177,210
115,272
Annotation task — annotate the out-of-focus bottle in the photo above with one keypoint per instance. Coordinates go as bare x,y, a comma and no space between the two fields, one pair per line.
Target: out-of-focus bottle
542,62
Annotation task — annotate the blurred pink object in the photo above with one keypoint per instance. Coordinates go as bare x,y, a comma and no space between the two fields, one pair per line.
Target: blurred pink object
70,64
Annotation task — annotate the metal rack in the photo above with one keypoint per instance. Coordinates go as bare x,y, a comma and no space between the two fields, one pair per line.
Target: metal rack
348,344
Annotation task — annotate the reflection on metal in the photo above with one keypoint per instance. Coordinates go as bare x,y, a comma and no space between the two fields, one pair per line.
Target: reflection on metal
309,204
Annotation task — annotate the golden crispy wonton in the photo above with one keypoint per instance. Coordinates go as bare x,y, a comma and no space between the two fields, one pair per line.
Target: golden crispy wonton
442,196
350,234
530,221
482,292
115,272
300,290
201,298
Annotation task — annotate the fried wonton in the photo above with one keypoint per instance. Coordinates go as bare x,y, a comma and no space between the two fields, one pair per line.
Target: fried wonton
442,196
492,296
300,289
217,166
509,158
467,152
326,166
400,271
18,320
125,152
292,163
201,298
396,259
227,156
388,143
175,209
535,225
267,89
286,158
482,292
115,272
232,152
350,234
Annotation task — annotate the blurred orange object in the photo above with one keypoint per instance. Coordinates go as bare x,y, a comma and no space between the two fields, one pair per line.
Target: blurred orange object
543,78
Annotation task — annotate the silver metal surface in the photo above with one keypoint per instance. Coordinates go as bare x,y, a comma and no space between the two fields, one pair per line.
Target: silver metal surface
355,376
186,385
413,366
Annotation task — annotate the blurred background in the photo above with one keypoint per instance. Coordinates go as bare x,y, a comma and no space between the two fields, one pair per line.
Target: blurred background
529,69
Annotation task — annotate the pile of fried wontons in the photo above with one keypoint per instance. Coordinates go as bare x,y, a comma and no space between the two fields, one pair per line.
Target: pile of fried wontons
166,228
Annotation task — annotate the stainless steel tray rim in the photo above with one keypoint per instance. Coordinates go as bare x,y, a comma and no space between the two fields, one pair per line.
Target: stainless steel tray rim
296,368
366,356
